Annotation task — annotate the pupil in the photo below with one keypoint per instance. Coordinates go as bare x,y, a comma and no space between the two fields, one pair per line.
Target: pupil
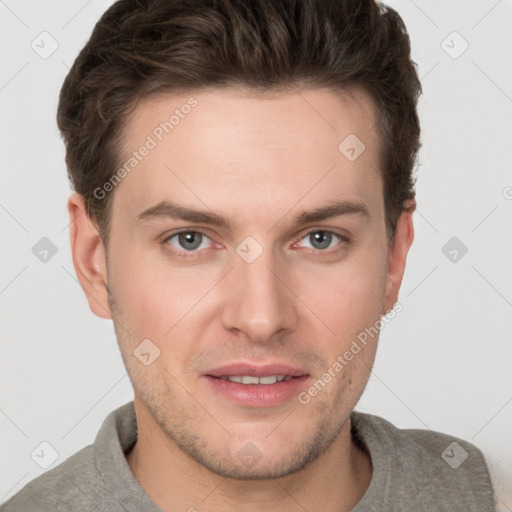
322,239
190,240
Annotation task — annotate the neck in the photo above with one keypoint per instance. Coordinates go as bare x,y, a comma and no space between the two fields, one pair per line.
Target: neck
335,481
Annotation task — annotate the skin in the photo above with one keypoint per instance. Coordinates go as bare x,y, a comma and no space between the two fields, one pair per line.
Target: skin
257,160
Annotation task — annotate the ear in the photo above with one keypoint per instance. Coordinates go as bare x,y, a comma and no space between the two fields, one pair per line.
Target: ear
88,256
397,255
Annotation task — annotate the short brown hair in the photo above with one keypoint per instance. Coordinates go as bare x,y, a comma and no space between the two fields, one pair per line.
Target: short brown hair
144,47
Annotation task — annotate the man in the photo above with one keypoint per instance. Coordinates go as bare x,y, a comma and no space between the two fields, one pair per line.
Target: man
243,212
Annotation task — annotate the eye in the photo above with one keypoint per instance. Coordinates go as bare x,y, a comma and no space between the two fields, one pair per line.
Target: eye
189,241
322,240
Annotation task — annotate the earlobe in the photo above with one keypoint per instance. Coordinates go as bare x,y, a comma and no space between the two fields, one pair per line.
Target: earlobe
397,255
88,256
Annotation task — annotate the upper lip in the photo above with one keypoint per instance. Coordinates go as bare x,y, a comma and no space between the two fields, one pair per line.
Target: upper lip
254,370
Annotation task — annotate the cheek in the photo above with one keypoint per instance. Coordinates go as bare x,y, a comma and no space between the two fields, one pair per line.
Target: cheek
151,296
348,297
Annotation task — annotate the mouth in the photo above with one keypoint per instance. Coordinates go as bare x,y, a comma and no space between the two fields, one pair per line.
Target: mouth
252,379
256,386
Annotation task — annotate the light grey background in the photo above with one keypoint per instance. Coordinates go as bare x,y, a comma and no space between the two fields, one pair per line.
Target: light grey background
444,363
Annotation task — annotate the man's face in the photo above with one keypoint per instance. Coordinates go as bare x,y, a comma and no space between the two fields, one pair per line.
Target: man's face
259,291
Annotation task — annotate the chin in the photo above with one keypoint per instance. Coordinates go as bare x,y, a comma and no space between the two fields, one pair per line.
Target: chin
246,461
282,465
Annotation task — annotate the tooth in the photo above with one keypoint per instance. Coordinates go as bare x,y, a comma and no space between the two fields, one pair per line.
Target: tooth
270,379
248,379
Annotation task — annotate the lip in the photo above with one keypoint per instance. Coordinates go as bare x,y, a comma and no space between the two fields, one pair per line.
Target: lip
255,370
256,395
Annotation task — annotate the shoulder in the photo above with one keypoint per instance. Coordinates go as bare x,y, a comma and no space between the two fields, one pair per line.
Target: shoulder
444,450
440,468
89,479
65,487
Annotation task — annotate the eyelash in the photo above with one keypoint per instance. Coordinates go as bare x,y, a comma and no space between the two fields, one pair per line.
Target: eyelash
319,252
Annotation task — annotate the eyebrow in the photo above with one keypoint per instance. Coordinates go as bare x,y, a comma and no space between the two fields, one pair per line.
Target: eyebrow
170,209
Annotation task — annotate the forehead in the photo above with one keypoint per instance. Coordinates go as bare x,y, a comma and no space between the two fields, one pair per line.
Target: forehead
230,148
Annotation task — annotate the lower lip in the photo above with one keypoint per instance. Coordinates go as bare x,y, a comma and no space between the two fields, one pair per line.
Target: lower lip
258,395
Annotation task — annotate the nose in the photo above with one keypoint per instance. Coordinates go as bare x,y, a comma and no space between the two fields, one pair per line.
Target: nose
259,302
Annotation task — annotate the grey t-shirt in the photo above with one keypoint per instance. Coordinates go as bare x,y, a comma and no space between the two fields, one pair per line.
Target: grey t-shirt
413,470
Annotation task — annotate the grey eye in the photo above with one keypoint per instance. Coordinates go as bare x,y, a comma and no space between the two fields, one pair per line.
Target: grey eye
320,239
187,240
